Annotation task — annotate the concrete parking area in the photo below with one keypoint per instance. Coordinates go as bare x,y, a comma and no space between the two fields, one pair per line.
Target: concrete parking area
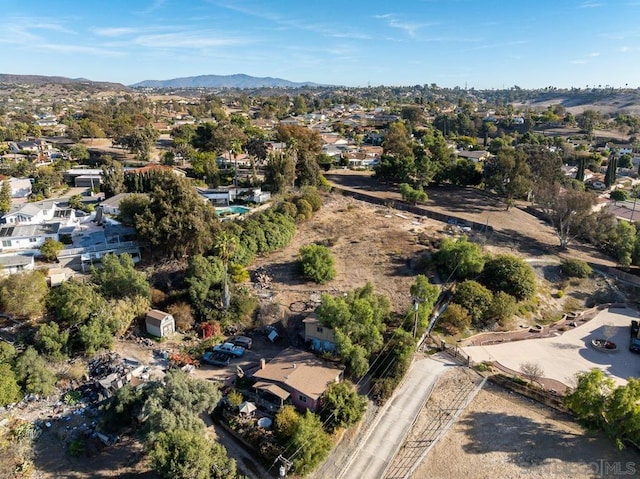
562,357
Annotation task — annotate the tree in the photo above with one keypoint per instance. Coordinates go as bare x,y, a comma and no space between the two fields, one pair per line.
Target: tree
51,341
397,142
179,454
424,296
280,172
460,258
176,222
455,319
286,422
532,372
179,401
575,268
50,249
311,443
510,274
9,388
133,205
33,374
342,406
24,294
612,170
475,298
567,210
508,174
112,179
204,276
411,195
623,413
78,152
589,399
619,195
317,263
503,307
75,301
5,197
118,278
358,321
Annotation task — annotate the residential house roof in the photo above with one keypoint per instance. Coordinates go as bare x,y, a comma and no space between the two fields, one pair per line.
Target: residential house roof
301,371
23,231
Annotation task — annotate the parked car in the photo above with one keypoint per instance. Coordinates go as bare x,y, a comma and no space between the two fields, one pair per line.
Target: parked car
243,341
216,358
229,348
634,342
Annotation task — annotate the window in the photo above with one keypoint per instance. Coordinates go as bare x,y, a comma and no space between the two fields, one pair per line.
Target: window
6,243
33,240
302,398
319,329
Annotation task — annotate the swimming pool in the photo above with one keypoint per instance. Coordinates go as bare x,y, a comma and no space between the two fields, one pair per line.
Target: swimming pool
232,210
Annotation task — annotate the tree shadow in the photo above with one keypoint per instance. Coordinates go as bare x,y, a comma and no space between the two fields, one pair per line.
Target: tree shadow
287,273
542,447
520,243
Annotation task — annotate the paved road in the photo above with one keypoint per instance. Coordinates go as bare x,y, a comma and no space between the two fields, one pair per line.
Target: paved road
380,446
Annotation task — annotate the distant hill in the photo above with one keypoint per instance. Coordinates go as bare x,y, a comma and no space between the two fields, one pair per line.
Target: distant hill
39,80
222,81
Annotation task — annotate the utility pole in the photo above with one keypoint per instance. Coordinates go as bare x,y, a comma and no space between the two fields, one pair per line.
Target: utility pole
286,465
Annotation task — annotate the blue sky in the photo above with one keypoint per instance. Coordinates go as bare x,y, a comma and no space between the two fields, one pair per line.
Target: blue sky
478,43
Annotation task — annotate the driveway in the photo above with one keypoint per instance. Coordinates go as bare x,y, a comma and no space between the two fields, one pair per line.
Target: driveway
378,449
563,356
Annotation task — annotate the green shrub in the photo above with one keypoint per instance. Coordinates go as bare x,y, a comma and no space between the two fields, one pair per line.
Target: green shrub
574,268
317,263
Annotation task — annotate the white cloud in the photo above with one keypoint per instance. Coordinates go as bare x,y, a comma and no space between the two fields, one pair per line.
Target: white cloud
196,39
594,54
114,31
63,48
578,62
591,5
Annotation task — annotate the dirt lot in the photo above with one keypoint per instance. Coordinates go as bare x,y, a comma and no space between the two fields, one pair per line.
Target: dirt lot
502,434
369,244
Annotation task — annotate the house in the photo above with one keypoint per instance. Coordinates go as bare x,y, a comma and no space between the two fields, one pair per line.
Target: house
20,187
30,213
26,237
159,323
294,376
475,156
83,177
16,263
318,336
111,206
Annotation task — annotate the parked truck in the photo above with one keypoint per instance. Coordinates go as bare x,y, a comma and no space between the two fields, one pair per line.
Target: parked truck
229,348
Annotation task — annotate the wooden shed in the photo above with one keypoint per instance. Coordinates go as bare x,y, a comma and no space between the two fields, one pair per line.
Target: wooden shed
159,323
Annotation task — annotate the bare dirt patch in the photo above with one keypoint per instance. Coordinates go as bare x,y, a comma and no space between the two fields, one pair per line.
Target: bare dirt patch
368,243
502,434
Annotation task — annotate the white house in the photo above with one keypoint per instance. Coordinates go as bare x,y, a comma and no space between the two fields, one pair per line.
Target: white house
15,263
159,323
26,237
30,213
20,187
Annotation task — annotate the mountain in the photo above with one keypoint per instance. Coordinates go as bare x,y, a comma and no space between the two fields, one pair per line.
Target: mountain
222,81
39,80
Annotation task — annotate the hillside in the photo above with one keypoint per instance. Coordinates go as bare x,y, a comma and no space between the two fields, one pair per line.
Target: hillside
221,81
41,80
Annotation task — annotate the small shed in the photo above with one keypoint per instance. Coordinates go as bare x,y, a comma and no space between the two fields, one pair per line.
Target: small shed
159,323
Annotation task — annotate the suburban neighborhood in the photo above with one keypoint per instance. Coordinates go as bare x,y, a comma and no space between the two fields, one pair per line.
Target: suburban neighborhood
423,263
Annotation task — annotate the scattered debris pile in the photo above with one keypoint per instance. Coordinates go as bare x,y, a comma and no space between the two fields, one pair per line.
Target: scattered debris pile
261,279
